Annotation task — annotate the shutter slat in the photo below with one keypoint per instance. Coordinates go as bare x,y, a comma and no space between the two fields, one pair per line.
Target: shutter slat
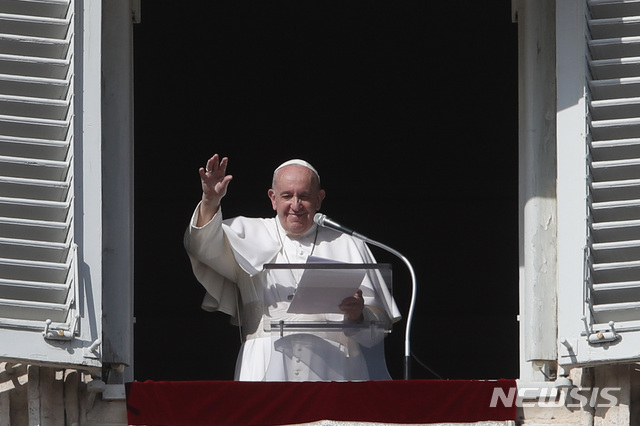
23,106
615,149
621,230
29,270
34,188
34,209
618,47
44,8
615,108
622,128
30,310
36,26
609,28
45,149
619,251
617,312
46,251
24,127
40,87
609,69
615,88
603,9
615,266
33,66
40,230
615,170
610,293
43,47
616,190
34,290
35,168
616,210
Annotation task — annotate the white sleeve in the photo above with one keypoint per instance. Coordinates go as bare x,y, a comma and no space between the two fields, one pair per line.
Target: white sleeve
213,264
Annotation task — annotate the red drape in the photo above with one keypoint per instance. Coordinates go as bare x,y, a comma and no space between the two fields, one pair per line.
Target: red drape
279,403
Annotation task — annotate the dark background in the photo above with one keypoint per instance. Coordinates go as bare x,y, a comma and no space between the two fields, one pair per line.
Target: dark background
409,112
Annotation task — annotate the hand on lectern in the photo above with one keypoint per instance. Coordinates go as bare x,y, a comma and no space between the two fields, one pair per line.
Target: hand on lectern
353,307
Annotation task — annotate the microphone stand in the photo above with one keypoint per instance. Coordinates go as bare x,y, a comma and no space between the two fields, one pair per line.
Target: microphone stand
407,344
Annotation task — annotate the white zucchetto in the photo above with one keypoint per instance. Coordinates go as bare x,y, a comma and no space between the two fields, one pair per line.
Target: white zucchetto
297,162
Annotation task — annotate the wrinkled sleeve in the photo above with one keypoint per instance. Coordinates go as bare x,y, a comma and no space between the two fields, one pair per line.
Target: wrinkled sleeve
213,264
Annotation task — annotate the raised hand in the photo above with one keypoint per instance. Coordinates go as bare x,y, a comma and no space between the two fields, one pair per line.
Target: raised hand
214,187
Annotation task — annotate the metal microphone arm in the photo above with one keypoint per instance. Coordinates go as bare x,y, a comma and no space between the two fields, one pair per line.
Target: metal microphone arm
407,341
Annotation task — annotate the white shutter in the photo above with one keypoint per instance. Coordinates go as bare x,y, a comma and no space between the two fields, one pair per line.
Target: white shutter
40,299
609,322
615,163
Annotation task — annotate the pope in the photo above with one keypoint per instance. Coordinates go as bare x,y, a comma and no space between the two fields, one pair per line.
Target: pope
228,258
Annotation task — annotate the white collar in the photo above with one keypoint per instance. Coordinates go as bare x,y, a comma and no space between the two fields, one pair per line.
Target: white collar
307,235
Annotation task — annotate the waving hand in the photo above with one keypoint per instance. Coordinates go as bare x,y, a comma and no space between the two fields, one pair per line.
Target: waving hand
214,187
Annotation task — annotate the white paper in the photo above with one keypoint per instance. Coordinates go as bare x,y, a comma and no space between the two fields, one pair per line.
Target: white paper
321,291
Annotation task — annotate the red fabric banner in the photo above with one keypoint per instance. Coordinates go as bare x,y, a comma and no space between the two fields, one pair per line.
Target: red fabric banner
281,403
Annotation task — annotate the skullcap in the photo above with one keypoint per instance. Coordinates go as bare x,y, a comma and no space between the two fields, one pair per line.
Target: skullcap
298,162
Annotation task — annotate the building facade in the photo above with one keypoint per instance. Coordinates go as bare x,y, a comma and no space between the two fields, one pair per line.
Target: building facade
66,214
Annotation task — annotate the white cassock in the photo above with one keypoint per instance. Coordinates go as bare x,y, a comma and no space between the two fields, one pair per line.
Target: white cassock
228,258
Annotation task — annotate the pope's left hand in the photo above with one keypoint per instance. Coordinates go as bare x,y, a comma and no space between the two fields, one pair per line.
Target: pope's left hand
353,307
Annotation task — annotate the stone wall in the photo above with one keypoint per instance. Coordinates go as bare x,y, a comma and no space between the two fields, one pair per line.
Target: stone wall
48,396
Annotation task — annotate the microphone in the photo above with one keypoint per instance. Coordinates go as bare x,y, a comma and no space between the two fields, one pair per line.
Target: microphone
322,220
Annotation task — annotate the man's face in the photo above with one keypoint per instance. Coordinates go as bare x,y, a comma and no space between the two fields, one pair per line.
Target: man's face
296,197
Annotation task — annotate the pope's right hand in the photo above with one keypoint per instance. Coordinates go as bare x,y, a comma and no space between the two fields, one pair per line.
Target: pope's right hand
215,182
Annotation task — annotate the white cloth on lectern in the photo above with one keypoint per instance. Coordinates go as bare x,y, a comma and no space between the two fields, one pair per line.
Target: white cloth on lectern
227,258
